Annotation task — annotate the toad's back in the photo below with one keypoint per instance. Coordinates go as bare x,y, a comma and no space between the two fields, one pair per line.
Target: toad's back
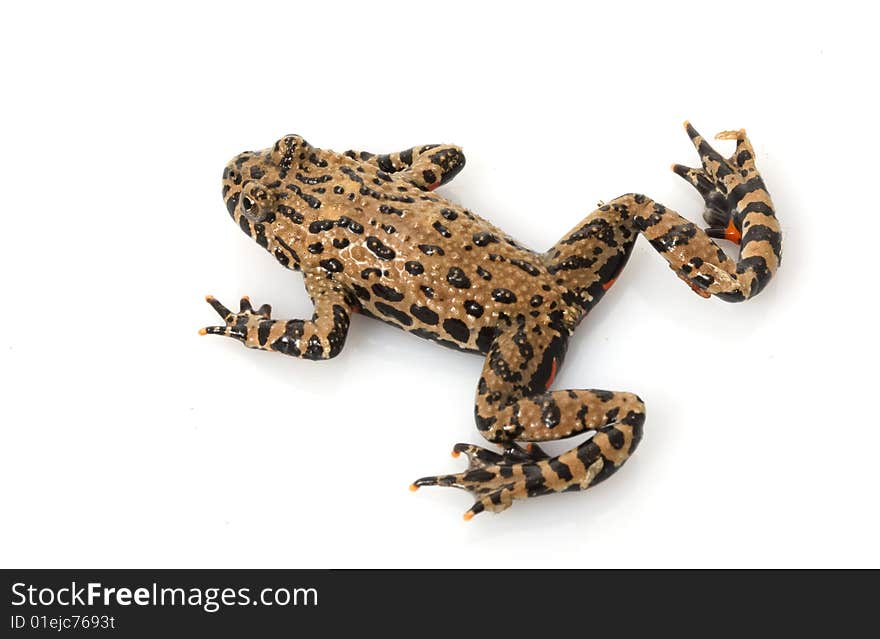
411,257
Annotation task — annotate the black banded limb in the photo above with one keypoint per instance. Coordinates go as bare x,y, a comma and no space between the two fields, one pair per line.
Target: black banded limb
514,404
427,166
321,337
738,209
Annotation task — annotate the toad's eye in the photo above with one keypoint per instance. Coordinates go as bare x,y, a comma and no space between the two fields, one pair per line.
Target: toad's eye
250,208
255,202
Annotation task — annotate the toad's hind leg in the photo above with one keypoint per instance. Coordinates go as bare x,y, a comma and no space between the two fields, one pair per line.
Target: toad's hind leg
738,209
426,167
514,403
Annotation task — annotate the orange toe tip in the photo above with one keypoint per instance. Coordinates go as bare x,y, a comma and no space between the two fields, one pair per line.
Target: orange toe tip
468,516
732,233
209,298
686,124
413,488
203,331
738,134
455,453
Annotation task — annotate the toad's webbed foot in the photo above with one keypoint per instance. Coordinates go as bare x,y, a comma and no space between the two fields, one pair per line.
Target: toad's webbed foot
237,324
491,477
531,452
322,337
720,180
738,208
496,479
512,453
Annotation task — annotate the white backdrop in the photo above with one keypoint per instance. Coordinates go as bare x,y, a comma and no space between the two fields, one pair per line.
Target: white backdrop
128,440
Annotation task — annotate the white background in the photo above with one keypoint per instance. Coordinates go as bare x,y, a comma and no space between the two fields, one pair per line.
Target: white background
128,440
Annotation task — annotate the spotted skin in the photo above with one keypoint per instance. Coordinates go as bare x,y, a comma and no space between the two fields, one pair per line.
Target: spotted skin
370,237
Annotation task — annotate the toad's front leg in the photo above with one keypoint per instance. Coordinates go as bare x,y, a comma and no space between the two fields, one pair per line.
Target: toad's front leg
426,167
322,337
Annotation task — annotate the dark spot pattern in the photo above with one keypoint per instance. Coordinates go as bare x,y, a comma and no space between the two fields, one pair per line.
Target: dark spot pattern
431,249
424,314
378,249
319,226
346,222
331,265
484,238
458,329
472,308
393,313
485,338
386,208
369,272
291,214
387,292
457,278
311,200
442,230
529,268
503,296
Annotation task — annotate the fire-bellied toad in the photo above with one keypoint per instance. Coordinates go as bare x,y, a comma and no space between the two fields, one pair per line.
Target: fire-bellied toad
370,237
